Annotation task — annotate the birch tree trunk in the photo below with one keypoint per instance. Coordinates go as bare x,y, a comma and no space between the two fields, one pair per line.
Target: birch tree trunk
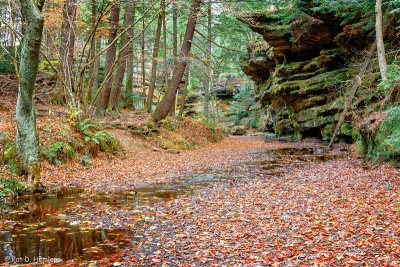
27,140
166,102
380,45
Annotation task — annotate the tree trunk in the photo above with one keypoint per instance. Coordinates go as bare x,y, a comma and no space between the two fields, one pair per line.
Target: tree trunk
166,102
67,47
207,87
379,38
353,92
88,95
125,43
153,77
143,63
96,65
175,31
129,63
110,58
27,140
185,91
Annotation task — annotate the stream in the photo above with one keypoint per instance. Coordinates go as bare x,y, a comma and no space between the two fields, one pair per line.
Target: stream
61,226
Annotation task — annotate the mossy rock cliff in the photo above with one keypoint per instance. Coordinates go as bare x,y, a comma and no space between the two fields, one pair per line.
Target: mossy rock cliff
302,70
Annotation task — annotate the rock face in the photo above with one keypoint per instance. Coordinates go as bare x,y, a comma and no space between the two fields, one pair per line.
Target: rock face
300,70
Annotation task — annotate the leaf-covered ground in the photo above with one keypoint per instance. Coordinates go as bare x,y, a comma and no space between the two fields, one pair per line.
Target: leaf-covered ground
142,165
283,209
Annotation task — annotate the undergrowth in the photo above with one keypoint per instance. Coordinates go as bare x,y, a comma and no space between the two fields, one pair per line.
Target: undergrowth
380,136
9,187
74,139
184,134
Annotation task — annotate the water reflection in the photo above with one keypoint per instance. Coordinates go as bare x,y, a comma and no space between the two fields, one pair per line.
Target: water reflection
32,233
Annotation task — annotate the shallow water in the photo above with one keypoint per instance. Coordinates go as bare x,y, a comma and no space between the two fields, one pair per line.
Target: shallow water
32,230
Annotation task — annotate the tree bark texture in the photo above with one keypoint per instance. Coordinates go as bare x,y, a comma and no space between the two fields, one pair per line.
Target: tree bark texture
27,140
110,58
153,76
379,38
166,102
185,91
67,46
123,53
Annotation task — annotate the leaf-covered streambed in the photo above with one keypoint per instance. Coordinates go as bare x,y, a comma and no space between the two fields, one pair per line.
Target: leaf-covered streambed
281,207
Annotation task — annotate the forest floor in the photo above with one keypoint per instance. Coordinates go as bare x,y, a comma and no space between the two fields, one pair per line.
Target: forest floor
249,200
280,204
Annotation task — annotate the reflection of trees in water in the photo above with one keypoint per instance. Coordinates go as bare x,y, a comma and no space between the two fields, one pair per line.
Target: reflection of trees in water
36,234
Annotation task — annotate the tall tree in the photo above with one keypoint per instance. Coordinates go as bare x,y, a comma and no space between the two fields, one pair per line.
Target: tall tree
67,46
122,55
208,81
27,140
143,60
185,91
153,76
110,58
166,102
92,53
129,63
175,31
380,45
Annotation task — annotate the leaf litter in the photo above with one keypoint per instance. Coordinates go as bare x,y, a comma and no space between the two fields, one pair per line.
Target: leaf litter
310,208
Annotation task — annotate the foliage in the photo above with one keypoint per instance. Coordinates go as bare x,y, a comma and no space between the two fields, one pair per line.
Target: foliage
58,152
242,107
10,186
393,75
6,61
383,143
132,100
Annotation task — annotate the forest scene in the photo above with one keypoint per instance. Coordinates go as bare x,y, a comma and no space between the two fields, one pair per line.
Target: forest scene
199,133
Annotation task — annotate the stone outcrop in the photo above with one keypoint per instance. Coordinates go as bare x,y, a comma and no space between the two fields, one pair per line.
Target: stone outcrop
300,70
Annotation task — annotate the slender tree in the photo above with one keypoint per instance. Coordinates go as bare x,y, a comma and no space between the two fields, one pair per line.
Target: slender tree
175,31
27,140
185,91
207,87
143,60
153,76
380,45
110,58
122,55
67,46
166,102
129,62
93,43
